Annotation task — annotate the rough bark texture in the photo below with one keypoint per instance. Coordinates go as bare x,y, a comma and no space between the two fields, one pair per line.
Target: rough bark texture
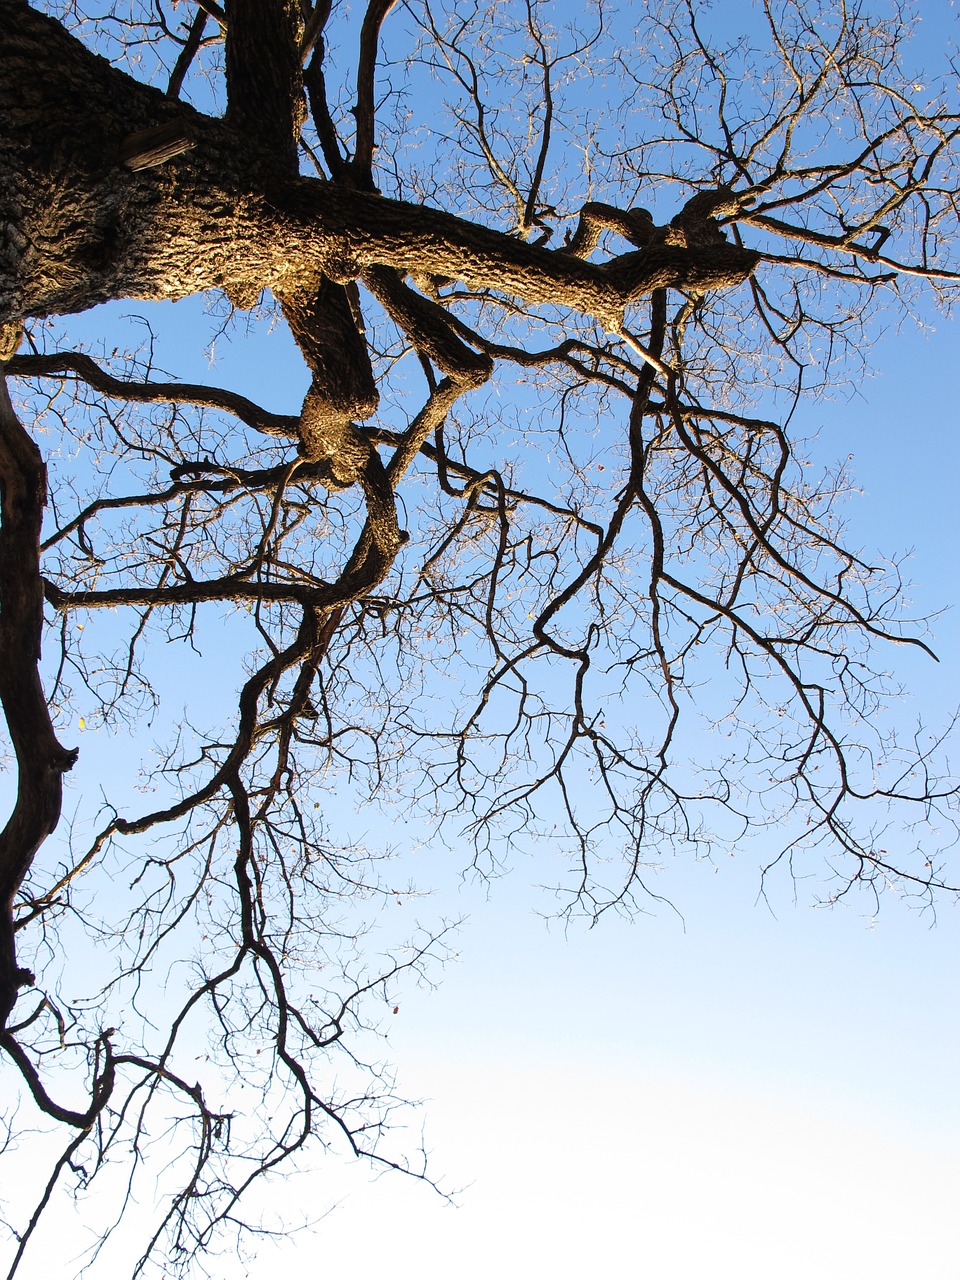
264,82
78,228
328,329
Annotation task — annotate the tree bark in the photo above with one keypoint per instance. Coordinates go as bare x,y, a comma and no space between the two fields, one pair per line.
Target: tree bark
264,76
41,760
78,228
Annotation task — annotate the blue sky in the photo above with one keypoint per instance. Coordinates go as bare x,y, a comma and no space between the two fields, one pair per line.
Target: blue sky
761,1087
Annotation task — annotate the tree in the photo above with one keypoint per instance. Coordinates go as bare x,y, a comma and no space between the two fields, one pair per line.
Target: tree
539,513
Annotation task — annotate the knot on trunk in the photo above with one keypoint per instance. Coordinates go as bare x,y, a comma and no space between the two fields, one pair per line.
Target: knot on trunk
635,225
327,435
327,324
697,222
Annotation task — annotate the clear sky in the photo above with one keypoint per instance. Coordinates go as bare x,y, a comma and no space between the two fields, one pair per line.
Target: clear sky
745,1086
766,1089
761,1088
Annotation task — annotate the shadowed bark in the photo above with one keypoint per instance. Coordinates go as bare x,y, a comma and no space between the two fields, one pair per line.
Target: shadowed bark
41,760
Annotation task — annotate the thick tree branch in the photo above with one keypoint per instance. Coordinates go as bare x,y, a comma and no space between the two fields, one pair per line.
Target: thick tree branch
264,83
41,761
187,53
83,366
220,217
365,110
328,328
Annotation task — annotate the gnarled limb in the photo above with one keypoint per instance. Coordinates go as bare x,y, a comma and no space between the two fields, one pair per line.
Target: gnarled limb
328,328
41,760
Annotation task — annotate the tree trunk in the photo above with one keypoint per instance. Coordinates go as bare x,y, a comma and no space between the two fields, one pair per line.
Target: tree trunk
79,226
41,760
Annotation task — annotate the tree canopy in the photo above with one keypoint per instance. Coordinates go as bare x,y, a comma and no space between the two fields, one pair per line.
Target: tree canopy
537,556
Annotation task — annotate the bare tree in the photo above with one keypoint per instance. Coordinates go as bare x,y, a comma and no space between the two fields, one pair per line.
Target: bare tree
538,519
